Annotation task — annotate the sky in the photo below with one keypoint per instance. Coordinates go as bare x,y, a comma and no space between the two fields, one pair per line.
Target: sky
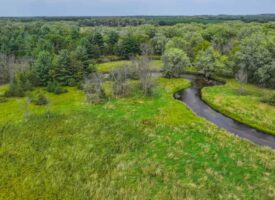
133,7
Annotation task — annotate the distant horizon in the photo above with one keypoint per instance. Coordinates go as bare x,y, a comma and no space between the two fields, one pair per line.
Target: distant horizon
199,15
62,8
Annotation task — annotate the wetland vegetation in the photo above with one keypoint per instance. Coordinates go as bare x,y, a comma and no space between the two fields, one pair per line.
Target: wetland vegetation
83,115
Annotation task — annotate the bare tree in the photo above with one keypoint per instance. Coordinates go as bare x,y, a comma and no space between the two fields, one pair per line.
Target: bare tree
93,88
6,67
120,81
146,49
241,77
4,74
10,66
141,67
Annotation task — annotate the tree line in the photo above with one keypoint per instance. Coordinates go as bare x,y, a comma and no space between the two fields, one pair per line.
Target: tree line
43,53
141,20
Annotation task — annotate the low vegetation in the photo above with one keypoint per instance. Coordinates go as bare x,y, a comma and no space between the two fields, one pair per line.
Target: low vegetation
155,65
56,88
269,99
127,147
3,99
247,107
39,99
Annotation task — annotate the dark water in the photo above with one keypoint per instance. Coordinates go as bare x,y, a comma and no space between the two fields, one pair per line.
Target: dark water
191,97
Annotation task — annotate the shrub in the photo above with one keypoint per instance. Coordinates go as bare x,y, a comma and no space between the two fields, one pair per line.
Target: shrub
19,85
56,88
175,60
72,82
120,81
39,100
3,99
141,66
269,100
80,85
92,67
93,88
15,90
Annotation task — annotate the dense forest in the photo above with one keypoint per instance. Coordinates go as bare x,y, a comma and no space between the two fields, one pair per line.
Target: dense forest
154,20
46,52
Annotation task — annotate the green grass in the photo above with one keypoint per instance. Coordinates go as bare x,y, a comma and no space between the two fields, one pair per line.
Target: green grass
126,148
246,108
155,65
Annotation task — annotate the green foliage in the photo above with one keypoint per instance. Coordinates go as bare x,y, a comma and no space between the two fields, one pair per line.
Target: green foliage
129,46
62,51
93,68
39,99
269,100
158,43
80,63
97,39
20,84
205,62
3,99
112,40
257,60
174,61
92,50
4,73
63,70
56,88
42,67
177,42
15,89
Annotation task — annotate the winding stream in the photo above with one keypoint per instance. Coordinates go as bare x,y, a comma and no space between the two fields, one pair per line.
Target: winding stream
191,97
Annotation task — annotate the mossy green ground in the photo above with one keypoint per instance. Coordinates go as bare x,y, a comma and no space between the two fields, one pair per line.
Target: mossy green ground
246,108
155,65
134,147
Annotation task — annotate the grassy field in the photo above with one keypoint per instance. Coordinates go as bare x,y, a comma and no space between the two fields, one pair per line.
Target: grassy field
155,65
246,108
126,148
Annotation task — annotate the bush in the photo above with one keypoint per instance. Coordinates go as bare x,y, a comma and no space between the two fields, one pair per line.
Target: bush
175,61
3,99
72,82
39,100
80,85
141,71
15,90
93,88
92,67
56,88
269,100
120,81
19,85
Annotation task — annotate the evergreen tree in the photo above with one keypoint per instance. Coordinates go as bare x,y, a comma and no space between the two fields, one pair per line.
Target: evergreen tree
129,46
63,71
41,68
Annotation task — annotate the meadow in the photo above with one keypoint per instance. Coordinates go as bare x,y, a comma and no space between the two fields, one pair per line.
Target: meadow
132,147
247,108
155,65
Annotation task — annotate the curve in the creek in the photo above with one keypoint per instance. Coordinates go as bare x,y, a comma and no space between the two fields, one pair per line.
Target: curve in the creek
192,98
